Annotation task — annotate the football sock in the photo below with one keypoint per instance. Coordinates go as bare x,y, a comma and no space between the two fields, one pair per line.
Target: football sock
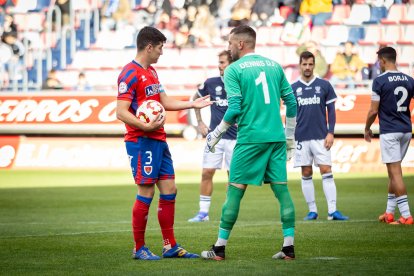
288,240
402,202
166,208
308,190
139,219
221,242
230,211
205,202
329,189
391,203
287,209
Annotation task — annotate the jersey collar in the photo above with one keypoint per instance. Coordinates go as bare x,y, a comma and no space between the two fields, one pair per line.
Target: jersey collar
307,83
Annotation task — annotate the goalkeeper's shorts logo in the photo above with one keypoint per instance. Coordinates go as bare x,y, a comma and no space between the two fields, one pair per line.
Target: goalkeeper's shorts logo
148,170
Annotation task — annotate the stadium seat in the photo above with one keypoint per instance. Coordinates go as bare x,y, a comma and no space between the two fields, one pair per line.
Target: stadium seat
395,14
336,35
373,34
406,56
275,33
409,17
263,36
391,34
318,33
377,13
356,34
358,14
32,21
407,36
339,14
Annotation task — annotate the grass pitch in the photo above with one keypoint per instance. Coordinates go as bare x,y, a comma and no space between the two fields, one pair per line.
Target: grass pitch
64,222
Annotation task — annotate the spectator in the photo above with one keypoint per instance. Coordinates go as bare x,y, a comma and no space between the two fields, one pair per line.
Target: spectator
64,7
241,13
320,11
204,29
321,66
83,84
116,13
297,33
52,81
262,10
347,67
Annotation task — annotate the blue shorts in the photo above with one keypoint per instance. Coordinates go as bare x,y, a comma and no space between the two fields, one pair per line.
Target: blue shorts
150,160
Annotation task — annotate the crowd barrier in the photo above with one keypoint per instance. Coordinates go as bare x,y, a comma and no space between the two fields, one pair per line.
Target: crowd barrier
349,155
94,113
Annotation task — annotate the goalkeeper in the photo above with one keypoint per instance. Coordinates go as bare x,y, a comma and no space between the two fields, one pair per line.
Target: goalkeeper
254,86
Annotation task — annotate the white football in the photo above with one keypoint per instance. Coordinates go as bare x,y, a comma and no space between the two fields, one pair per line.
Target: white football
149,109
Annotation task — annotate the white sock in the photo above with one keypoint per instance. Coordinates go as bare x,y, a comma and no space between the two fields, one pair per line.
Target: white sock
221,242
329,189
205,202
288,241
309,192
402,202
391,203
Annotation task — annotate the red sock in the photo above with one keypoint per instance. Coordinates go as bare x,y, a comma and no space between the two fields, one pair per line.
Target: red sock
139,222
166,209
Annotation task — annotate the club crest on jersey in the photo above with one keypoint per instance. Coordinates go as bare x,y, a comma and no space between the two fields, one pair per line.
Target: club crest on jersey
219,90
153,89
122,87
148,170
317,89
299,91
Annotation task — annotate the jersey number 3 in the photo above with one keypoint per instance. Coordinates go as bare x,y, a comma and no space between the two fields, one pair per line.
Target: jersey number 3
403,90
262,80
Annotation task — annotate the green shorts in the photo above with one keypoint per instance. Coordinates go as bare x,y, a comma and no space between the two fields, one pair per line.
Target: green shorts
254,164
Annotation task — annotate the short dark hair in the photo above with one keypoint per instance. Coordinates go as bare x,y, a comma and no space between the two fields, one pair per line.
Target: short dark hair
388,53
306,55
149,35
227,54
244,30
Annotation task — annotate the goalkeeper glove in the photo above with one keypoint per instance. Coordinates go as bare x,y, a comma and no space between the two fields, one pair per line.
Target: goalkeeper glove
290,148
290,135
214,137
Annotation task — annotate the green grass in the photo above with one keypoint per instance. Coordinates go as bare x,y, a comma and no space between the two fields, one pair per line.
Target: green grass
65,222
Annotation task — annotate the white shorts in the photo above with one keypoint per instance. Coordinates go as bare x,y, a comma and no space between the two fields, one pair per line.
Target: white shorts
311,151
224,150
394,146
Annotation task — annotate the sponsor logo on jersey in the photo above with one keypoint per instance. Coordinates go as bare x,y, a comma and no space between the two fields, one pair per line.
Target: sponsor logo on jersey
153,89
219,90
148,170
309,101
221,102
122,88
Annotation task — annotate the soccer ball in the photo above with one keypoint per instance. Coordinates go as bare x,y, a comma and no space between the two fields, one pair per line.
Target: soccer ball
149,109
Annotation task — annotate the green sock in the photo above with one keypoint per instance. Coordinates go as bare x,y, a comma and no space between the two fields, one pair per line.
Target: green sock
287,209
230,211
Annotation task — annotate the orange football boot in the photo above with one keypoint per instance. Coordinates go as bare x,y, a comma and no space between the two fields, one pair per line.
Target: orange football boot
386,217
402,220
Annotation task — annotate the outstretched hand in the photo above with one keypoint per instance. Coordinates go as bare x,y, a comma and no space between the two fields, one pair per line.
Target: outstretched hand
201,102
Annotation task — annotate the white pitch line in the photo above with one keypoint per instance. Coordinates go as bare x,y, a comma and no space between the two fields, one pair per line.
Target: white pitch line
212,224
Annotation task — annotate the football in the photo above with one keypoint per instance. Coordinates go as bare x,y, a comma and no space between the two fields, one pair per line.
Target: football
149,109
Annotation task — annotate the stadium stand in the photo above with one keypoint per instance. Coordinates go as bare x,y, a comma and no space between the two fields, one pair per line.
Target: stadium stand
83,45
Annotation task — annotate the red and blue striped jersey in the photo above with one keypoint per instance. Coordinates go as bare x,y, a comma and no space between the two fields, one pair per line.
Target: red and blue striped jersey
136,85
